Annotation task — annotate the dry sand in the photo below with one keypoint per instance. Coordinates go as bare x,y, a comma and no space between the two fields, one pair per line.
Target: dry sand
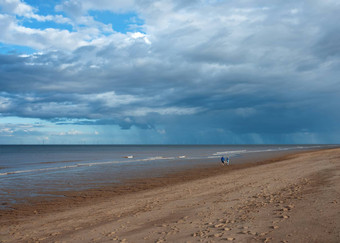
296,199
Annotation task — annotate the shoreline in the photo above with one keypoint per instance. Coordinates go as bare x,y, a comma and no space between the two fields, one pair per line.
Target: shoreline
61,200
245,203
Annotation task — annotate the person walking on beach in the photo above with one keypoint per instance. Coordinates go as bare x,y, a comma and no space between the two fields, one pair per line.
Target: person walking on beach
222,160
227,160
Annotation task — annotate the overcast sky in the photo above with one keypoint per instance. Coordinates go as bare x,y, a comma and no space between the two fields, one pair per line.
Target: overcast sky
169,71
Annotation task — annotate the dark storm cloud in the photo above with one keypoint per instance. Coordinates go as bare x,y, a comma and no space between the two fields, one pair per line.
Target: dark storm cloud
329,45
229,68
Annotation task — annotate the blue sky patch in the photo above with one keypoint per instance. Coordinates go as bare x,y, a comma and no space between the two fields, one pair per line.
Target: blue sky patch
34,24
15,49
121,22
43,7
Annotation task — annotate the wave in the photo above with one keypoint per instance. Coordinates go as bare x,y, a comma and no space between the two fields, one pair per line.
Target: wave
230,152
238,152
56,162
158,158
88,165
37,170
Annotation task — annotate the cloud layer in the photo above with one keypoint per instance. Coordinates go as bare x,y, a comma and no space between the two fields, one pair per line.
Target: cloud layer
194,72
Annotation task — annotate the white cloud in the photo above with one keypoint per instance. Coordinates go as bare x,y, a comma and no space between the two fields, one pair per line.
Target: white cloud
86,31
143,111
13,33
22,9
294,11
71,132
16,7
5,104
139,35
6,131
110,99
161,131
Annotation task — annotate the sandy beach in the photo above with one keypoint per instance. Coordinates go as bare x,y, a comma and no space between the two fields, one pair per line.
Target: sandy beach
291,199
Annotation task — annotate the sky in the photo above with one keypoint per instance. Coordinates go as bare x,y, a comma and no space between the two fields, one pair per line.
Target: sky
169,72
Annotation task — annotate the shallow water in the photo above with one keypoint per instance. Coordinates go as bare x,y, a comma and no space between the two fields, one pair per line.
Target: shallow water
40,170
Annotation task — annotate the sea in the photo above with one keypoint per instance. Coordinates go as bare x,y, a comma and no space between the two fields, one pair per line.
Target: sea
28,171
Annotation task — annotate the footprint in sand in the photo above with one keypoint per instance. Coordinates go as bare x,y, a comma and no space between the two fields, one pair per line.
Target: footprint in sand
111,234
219,225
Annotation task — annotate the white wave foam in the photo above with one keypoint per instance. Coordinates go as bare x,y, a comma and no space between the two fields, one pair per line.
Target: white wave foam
157,158
237,152
230,152
37,170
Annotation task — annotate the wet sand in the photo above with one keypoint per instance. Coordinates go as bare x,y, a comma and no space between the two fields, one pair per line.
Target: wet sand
290,199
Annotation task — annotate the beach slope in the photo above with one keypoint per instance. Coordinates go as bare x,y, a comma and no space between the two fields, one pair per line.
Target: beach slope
296,199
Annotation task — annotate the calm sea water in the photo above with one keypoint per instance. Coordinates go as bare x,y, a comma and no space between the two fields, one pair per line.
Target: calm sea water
29,171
